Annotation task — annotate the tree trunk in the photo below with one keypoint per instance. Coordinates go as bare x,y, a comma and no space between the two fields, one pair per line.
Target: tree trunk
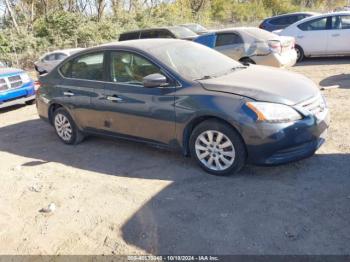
12,14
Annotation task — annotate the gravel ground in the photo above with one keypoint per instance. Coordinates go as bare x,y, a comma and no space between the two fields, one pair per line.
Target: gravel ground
117,197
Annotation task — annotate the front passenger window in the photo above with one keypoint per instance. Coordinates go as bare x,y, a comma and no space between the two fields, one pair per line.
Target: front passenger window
314,25
130,68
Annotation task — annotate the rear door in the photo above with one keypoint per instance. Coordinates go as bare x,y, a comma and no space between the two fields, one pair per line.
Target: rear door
339,35
230,44
83,80
313,36
130,108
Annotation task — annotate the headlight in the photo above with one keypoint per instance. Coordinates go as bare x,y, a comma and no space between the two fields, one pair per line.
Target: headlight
25,78
274,113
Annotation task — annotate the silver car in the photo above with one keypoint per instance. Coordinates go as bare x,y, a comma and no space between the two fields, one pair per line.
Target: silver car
49,60
251,45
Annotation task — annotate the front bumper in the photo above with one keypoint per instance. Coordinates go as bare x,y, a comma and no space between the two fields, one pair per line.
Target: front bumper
273,144
16,96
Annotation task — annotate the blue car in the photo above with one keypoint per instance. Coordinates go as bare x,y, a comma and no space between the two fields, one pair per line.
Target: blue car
15,87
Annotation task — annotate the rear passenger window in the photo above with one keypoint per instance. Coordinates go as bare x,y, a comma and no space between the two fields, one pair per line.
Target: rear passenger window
345,22
88,67
228,39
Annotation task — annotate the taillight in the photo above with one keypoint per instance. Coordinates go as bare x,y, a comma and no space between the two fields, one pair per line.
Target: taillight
275,46
37,85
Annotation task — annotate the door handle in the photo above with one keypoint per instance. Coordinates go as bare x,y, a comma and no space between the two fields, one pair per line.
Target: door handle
68,93
336,35
300,36
114,98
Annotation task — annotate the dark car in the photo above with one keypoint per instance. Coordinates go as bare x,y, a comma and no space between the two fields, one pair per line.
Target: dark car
283,21
177,32
185,96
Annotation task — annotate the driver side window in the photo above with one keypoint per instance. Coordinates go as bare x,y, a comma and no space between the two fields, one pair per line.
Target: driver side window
130,68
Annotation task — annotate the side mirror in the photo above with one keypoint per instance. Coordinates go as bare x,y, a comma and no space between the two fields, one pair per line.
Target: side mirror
154,80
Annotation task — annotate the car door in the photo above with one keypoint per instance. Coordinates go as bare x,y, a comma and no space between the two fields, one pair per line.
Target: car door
230,44
132,109
339,35
313,35
82,81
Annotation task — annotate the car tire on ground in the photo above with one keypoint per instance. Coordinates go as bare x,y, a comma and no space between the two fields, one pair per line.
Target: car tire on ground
30,102
300,53
247,61
218,148
65,127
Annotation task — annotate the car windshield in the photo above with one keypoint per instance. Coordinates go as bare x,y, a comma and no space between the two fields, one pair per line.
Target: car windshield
194,61
196,27
182,32
2,64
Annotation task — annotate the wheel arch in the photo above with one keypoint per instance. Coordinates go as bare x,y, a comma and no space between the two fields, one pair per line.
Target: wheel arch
195,122
52,108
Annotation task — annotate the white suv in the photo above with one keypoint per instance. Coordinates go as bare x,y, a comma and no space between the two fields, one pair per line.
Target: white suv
321,35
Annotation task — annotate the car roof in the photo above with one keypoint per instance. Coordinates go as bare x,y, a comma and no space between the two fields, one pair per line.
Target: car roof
142,44
150,29
295,13
241,28
321,16
67,51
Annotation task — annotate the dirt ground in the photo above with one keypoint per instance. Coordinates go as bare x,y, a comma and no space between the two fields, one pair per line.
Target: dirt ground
117,197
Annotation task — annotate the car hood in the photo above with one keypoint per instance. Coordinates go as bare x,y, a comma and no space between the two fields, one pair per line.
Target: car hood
9,71
264,83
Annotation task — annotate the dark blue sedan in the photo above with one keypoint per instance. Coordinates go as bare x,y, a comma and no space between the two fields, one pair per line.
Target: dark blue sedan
282,21
188,97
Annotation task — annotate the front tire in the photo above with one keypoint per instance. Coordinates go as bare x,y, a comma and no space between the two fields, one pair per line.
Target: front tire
30,102
65,127
217,148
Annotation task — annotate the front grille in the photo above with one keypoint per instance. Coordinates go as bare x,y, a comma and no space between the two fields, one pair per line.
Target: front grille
15,81
315,105
10,82
3,84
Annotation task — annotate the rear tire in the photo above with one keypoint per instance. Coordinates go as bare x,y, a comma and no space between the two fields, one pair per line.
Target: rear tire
65,127
300,53
217,148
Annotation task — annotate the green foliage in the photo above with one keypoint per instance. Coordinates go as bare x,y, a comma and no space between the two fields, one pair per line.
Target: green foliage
51,24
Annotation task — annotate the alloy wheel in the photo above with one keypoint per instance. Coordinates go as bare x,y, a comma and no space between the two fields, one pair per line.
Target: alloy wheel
63,127
215,150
